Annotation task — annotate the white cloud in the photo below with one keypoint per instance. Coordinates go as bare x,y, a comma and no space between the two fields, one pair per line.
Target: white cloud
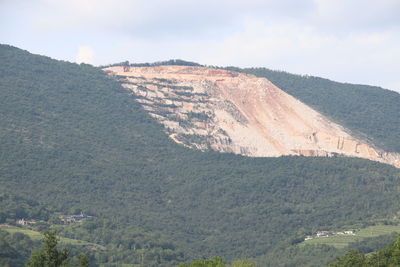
85,55
350,15
369,58
346,40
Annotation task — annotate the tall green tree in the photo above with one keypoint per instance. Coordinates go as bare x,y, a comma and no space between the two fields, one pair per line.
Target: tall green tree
219,262
50,255
214,262
83,260
243,263
387,257
351,259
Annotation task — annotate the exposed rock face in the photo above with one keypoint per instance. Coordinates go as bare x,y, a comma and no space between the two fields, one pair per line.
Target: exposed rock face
226,111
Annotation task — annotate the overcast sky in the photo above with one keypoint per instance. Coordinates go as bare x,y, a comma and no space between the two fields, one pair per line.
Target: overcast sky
354,41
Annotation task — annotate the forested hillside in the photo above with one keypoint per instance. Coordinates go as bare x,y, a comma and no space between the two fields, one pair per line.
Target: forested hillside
388,256
72,139
370,111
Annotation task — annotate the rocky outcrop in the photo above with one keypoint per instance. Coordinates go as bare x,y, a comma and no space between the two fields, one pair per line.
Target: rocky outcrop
207,108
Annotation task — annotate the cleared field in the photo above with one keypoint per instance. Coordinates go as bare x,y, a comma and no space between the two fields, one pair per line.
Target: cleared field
341,241
34,235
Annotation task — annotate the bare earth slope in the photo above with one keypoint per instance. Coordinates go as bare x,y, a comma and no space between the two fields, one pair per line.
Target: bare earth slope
233,112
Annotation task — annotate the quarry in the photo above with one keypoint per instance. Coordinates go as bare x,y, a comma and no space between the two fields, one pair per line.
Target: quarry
206,108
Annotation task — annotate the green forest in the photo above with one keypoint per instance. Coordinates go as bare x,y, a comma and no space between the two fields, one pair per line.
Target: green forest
74,140
387,257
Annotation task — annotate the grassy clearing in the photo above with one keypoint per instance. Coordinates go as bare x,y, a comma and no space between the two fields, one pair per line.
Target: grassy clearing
34,235
341,241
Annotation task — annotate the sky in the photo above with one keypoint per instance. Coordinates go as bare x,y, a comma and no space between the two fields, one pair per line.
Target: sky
356,41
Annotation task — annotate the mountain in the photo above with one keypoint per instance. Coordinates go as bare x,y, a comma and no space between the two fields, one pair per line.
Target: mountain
74,140
233,112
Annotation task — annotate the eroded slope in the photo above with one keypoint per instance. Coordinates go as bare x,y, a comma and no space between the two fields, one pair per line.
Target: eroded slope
232,112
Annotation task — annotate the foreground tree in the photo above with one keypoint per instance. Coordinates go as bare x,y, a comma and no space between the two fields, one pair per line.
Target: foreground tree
387,257
214,262
351,259
219,262
83,261
243,263
51,256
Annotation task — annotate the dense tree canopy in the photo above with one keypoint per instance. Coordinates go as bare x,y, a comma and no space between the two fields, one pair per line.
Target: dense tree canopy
219,262
387,257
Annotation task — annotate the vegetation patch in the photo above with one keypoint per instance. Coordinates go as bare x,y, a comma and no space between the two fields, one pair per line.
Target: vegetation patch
344,240
34,235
